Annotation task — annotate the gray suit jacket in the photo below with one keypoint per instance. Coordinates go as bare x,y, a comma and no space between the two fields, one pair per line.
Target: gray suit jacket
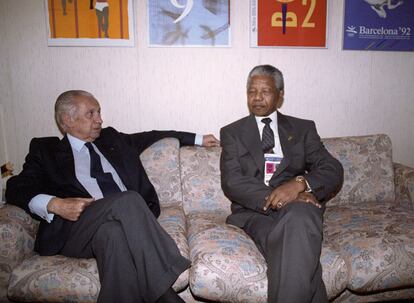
242,164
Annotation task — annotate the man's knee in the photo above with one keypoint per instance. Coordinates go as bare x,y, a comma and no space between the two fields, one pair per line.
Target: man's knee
303,215
109,233
129,200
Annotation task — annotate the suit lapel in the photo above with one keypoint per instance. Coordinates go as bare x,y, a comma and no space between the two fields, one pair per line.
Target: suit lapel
251,139
287,140
66,163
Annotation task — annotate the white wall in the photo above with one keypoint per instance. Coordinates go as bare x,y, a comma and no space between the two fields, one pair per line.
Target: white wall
198,89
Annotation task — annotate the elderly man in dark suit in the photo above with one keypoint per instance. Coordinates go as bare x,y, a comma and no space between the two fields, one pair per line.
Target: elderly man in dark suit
94,200
278,175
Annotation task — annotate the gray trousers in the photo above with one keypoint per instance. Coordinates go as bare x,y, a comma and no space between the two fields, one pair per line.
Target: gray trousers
137,260
290,239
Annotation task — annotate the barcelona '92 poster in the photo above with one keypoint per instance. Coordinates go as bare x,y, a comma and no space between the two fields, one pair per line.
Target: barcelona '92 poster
379,25
299,23
189,22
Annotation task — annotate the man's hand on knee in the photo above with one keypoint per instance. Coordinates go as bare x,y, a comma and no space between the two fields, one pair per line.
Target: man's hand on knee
68,208
288,192
309,198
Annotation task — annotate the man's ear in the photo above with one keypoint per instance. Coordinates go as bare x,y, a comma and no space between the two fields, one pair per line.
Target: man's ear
280,99
67,121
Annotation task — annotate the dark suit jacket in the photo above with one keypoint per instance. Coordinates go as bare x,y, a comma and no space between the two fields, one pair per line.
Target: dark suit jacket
242,164
49,169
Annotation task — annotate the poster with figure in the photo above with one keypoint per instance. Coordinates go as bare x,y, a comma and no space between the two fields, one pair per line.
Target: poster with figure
189,22
379,25
90,22
300,23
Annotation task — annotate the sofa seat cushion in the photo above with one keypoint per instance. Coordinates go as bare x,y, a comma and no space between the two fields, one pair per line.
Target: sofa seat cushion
63,279
198,222
227,266
334,271
55,279
376,241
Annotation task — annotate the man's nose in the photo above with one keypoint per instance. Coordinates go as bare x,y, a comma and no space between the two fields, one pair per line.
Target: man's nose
258,96
98,119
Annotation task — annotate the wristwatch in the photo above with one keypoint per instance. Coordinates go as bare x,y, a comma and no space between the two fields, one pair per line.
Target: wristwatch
301,179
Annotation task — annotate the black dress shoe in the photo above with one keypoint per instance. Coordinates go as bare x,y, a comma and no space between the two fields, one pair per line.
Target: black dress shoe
170,296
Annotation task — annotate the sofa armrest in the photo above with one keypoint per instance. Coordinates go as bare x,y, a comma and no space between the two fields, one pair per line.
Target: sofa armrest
17,232
173,220
404,185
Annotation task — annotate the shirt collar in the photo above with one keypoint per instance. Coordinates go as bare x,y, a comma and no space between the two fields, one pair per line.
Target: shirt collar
77,144
272,116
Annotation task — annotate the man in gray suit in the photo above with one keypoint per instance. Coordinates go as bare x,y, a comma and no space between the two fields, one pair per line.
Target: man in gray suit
278,175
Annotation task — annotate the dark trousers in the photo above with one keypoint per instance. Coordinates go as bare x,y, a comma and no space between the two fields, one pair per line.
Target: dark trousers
291,240
137,260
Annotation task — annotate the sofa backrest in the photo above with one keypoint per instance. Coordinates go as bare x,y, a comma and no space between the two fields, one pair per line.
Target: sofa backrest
161,162
200,177
367,162
368,168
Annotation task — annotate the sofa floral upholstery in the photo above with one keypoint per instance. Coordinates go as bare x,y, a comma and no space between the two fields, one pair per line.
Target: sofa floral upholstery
17,231
367,253
368,249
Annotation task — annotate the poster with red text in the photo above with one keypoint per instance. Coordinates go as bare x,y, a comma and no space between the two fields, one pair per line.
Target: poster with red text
297,23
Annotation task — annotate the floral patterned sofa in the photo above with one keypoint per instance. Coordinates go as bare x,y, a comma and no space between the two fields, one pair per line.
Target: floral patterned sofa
367,255
368,249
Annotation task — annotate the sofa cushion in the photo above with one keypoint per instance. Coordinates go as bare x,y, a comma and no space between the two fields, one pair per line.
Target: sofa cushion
377,242
55,279
228,267
334,271
200,177
161,162
198,222
63,279
368,168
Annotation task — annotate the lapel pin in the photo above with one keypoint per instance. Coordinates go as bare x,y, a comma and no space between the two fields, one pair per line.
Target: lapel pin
290,138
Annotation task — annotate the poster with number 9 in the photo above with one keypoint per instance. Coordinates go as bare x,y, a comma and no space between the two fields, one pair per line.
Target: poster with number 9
299,23
189,22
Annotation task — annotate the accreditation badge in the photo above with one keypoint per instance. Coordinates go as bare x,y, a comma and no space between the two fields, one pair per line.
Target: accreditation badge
271,163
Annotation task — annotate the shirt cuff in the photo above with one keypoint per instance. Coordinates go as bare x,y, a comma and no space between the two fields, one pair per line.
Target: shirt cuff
38,206
198,140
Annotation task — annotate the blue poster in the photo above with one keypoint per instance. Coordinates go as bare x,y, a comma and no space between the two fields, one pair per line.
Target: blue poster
380,25
189,22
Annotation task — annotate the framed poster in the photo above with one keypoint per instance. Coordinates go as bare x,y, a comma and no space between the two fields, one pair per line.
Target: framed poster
381,25
189,22
288,23
90,22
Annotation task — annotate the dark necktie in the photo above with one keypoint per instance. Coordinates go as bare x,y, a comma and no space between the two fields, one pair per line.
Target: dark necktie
105,180
268,137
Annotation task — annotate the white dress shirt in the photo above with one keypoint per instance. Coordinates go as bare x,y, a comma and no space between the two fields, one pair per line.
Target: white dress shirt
273,125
